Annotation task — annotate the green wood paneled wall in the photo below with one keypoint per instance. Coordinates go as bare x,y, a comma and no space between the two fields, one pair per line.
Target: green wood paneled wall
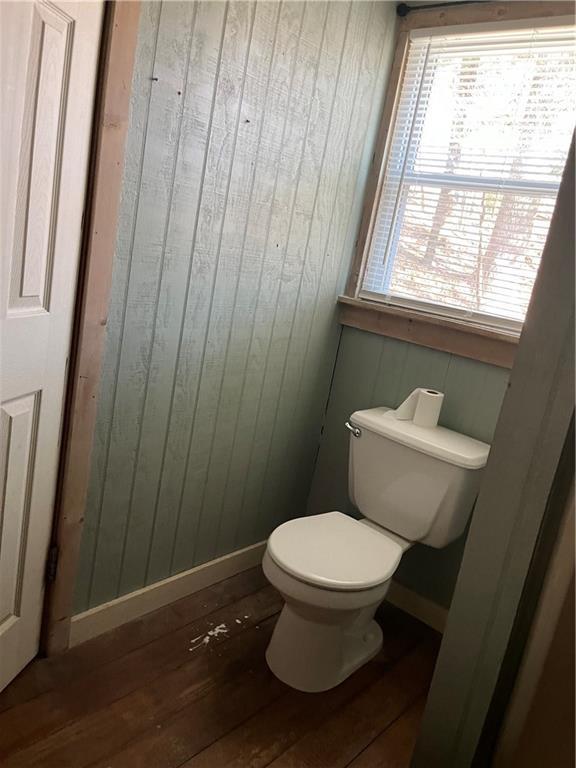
374,370
252,126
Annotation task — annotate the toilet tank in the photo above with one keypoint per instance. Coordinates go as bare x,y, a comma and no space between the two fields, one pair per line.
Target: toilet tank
418,482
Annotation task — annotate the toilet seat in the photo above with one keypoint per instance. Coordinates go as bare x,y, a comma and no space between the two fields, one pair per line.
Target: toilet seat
333,551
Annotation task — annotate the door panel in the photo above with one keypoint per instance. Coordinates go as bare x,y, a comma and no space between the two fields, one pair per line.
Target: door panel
19,421
50,53
40,155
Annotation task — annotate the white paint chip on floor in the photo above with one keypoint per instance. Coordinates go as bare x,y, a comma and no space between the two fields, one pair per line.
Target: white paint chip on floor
201,640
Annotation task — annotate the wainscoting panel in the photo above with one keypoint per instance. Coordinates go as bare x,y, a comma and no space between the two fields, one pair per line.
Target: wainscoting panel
373,370
252,127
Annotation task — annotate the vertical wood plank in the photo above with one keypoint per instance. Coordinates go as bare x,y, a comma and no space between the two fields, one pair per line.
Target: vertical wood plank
171,410
139,111
253,440
423,367
323,338
260,262
474,393
215,407
286,435
326,36
207,253
352,388
136,321
240,265
173,78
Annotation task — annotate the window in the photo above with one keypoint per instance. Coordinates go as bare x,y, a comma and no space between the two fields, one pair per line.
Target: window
482,127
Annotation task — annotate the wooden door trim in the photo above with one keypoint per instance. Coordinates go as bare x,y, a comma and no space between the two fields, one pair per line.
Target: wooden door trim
520,494
547,627
110,126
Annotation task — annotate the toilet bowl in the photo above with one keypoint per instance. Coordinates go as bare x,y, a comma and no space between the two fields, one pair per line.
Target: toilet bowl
333,572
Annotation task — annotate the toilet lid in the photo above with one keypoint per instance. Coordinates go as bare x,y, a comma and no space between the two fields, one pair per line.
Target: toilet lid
334,551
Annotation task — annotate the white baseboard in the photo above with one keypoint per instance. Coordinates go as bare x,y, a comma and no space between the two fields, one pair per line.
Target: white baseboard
109,615
421,608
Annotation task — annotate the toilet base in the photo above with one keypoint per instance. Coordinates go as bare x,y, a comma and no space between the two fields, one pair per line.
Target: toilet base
312,652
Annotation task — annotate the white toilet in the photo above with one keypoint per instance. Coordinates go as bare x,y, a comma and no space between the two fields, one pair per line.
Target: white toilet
412,484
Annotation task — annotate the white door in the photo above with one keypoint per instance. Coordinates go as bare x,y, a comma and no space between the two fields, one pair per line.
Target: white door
49,60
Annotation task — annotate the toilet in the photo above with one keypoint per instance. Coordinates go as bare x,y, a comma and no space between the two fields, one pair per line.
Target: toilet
411,484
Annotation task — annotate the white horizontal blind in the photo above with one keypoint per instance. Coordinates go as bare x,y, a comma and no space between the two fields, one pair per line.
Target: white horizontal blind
481,133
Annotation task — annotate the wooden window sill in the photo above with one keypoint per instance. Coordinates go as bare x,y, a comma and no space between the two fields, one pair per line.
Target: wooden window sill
454,336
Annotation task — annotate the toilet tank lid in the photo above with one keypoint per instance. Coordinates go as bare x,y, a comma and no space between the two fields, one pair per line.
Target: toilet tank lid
442,443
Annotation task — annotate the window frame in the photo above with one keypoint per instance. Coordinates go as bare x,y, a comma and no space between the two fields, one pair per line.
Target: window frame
474,339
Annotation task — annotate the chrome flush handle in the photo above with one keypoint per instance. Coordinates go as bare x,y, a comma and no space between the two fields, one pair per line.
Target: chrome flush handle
355,431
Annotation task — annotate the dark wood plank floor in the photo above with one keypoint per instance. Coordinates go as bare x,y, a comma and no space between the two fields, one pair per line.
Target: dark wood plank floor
151,694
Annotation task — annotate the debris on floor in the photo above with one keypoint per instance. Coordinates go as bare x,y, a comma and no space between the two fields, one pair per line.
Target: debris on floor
198,642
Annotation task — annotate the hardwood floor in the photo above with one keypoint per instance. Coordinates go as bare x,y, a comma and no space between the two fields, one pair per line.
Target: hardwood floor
152,694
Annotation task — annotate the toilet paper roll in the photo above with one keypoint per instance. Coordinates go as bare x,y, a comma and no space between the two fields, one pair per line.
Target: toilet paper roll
407,409
428,407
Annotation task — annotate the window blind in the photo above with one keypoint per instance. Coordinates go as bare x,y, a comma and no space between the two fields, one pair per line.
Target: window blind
482,127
